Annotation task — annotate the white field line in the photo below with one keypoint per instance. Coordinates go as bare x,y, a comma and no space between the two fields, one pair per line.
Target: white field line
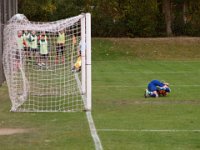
146,130
157,61
138,86
96,139
93,131
148,72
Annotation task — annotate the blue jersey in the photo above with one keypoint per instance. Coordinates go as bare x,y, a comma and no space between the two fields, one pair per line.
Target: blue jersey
152,86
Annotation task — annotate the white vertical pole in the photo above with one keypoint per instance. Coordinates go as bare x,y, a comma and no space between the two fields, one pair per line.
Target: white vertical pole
88,62
83,66
1,44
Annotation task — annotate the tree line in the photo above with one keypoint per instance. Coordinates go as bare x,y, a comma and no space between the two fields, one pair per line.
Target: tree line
123,18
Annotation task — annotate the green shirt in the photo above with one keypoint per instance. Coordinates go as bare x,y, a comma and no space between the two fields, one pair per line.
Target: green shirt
26,37
43,47
20,44
33,43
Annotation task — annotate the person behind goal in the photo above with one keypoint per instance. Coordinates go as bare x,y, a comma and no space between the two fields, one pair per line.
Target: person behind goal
60,46
43,45
20,47
26,36
34,46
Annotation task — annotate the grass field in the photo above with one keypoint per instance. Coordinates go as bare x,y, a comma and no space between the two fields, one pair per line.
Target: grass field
121,69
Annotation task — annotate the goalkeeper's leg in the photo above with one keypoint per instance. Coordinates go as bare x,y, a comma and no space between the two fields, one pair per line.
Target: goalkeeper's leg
153,94
150,94
152,91
62,54
57,53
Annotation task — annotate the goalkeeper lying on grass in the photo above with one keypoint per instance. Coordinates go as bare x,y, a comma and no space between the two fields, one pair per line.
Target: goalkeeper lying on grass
156,89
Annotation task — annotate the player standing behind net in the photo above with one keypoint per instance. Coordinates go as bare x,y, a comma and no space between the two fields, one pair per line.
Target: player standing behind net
20,47
153,88
60,46
26,36
43,45
42,33
34,46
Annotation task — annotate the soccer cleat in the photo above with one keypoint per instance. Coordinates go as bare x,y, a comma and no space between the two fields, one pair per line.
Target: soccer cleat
146,93
73,70
39,64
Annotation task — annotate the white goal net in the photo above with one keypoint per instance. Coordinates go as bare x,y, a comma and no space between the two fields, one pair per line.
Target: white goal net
48,65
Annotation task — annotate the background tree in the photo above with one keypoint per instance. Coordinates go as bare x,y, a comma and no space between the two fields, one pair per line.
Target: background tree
123,18
168,18
37,10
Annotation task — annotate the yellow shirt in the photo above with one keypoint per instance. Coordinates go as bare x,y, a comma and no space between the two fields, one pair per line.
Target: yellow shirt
61,38
78,63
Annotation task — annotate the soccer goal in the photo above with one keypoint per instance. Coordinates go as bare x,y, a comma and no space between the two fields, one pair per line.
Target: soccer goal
48,65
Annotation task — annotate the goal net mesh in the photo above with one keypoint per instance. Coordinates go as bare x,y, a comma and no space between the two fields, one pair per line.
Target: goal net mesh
42,64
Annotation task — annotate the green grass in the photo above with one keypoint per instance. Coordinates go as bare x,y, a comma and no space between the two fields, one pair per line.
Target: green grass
121,69
52,131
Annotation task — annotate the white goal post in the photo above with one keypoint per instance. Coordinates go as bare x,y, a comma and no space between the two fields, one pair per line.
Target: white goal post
47,65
